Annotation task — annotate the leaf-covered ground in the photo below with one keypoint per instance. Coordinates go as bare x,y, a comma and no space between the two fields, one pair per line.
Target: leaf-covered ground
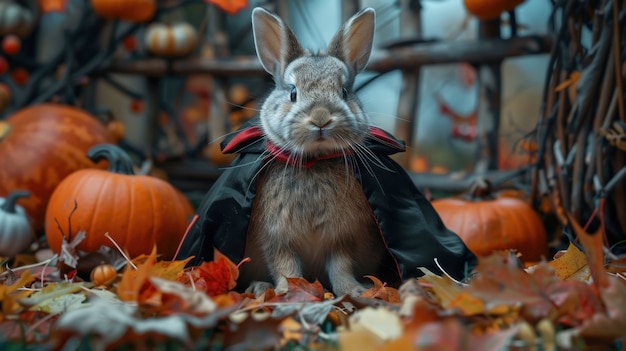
575,301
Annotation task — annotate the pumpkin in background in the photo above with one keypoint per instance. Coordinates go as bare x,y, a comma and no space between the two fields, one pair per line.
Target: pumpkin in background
167,40
125,10
137,211
487,223
40,145
490,9
15,19
16,232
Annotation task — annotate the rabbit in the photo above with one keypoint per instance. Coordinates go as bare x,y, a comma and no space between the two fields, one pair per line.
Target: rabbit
312,220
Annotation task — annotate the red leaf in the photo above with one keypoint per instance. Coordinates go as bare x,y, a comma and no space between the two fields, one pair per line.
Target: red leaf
229,6
300,290
215,278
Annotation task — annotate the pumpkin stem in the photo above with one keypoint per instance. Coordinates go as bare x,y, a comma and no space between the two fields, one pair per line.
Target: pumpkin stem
480,189
119,161
9,203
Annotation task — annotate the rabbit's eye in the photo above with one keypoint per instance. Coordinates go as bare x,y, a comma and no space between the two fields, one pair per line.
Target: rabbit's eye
293,96
344,91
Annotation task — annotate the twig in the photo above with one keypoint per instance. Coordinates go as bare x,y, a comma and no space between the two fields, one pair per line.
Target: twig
119,249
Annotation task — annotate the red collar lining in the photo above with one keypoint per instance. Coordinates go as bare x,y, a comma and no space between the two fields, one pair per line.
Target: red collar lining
276,153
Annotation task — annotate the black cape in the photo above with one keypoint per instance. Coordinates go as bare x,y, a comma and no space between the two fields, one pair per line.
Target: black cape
411,229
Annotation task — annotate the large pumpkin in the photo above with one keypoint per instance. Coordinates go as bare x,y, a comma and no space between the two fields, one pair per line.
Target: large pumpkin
490,9
487,223
39,146
137,211
126,10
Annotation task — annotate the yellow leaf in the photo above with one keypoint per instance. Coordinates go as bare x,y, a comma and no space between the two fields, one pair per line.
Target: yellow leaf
573,263
169,269
571,80
25,278
446,289
55,297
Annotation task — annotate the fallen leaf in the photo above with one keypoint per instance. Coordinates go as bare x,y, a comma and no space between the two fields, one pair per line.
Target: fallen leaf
129,286
593,247
501,282
178,298
381,291
169,270
572,264
107,323
301,290
215,277
610,323
55,298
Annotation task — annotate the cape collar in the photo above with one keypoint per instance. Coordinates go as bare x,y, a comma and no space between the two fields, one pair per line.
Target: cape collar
250,139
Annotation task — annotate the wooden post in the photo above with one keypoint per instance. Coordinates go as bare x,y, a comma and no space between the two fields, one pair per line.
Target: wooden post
489,101
410,28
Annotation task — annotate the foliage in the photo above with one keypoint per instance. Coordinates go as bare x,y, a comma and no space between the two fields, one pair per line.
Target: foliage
574,301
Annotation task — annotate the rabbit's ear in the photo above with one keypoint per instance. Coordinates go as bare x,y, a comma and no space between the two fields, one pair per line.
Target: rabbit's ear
275,43
353,42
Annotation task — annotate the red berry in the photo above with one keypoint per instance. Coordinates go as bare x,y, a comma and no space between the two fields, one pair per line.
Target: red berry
20,76
130,43
11,44
136,106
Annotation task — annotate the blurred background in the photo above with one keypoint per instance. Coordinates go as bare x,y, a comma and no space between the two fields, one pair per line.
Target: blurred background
525,93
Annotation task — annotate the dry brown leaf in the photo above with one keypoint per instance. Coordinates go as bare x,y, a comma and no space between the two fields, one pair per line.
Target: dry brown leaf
381,291
593,246
129,286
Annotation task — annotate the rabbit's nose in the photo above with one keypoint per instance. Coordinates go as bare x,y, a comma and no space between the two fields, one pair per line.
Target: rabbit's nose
320,117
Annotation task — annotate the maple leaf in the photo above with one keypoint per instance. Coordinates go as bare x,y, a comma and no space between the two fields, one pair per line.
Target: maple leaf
229,6
381,291
216,277
594,250
170,270
132,281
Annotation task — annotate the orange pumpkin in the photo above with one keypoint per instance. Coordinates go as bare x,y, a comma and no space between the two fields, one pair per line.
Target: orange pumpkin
487,223
137,211
39,146
125,10
490,9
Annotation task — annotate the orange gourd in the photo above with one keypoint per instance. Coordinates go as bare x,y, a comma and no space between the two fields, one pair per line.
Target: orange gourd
171,40
125,10
487,223
490,9
138,211
39,146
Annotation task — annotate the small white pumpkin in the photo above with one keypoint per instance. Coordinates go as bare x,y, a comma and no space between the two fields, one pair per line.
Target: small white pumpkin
166,40
15,19
16,232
